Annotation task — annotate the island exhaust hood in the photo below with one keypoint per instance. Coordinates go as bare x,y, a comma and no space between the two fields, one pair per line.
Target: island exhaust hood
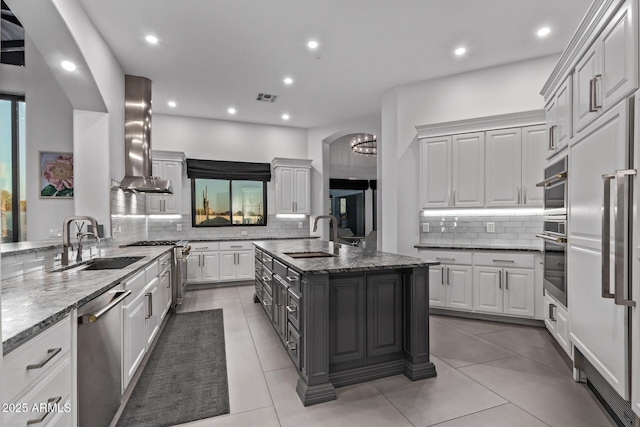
137,139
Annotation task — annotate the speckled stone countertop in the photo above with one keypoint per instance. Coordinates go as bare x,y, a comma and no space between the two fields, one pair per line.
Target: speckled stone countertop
26,247
477,247
248,239
34,301
350,258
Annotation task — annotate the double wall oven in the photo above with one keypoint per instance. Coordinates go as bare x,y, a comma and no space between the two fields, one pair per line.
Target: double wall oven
554,234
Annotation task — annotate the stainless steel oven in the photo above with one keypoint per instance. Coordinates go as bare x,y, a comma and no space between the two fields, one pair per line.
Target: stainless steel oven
555,188
554,238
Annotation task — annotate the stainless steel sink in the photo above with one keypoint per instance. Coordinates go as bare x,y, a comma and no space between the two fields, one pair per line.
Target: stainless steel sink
115,263
308,254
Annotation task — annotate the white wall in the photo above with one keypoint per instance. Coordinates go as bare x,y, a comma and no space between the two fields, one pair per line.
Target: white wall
227,140
503,89
12,79
345,164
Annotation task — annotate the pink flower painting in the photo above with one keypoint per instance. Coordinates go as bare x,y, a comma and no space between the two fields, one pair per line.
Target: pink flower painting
56,174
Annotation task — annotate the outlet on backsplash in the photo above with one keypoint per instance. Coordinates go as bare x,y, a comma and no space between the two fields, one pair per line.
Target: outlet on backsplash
491,227
178,227
425,227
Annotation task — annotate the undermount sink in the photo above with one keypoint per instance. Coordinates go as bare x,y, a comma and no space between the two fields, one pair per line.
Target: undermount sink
115,263
308,254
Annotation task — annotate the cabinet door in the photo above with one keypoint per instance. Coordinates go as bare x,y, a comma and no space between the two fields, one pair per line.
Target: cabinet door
284,190
562,131
435,172
210,267
487,289
459,292
384,314
562,322
134,337
227,265
346,320
165,292
468,170
551,125
550,315
598,325
152,318
519,292
173,171
437,287
302,197
534,140
503,167
155,201
194,268
585,71
619,58
244,265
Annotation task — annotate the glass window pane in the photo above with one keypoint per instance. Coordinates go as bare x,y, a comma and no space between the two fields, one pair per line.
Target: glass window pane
6,182
22,156
212,202
248,202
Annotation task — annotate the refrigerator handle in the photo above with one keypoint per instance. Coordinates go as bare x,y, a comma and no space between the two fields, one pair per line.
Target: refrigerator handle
621,258
606,235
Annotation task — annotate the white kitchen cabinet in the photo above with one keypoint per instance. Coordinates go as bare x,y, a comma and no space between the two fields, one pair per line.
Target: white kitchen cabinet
167,165
153,311
437,288
134,337
435,172
503,167
468,170
293,185
164,287
487,289
203,267
533,163
558,128
459,293
556,320
504,290
236,261
608,71
450,284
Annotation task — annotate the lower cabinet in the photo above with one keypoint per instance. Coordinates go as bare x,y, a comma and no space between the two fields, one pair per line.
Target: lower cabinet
346,319
504,291
153,311
556,319
384,314
212,262
134,337
164,287
451,286
203,267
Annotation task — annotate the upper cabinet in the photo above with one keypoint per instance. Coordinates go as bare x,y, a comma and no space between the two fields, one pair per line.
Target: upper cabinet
558,114
293,185
167,165
496,168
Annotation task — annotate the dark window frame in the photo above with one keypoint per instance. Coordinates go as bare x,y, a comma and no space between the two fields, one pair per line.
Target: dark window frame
15,163
231,224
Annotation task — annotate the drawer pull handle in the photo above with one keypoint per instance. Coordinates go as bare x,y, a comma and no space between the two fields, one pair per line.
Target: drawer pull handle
292,309
445,259
292,278
293,346
266,303
236,246
165,263
266,279
51,353
503,260
51,401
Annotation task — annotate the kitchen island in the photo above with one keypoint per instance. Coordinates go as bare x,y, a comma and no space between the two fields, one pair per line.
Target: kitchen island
346,318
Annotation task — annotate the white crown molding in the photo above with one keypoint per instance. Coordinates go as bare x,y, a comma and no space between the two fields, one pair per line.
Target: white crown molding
168,155
295,163
502,121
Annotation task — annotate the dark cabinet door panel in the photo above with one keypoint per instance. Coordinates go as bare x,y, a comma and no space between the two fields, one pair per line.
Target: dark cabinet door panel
346,320
384,314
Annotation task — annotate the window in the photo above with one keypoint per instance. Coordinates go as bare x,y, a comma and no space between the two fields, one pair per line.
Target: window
13,204
226,202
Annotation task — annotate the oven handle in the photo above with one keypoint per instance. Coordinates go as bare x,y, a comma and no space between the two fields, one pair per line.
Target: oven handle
552,180
552,239
606,235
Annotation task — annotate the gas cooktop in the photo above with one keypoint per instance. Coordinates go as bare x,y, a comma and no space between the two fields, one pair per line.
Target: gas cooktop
159,243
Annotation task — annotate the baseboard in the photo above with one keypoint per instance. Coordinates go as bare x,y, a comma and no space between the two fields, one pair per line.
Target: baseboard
366,373
490,317
213,285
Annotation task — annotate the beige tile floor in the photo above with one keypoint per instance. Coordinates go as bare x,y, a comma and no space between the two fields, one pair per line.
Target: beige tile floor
489,374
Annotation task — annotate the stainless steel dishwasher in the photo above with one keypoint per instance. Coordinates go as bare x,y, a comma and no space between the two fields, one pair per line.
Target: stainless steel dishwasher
99,358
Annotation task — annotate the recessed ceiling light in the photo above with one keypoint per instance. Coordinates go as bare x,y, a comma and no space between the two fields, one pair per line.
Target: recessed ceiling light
151,39
172,104
544,31
285,117
68,65
312,44
231,110
460,51
288,80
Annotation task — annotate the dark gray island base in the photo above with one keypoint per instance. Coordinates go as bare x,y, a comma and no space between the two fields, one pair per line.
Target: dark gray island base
345,319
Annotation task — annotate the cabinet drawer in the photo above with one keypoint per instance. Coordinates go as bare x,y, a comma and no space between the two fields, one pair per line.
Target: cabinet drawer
450,257
235,246
164,262
503,260
259,289
293,345
267,304
20,366
279,268
258,254
136,283
293,308
205,246
151,271
258,268
267,278
293,278
55,387
267,261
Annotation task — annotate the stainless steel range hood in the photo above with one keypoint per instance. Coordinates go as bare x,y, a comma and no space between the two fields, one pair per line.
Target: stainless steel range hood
137,139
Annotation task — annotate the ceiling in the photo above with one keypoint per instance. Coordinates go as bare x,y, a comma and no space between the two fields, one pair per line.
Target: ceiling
217,54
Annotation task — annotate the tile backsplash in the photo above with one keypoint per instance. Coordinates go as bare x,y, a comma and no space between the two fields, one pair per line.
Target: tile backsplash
128,217
460,228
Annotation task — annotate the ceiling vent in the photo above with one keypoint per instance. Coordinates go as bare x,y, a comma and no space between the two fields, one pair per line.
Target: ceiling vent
265,97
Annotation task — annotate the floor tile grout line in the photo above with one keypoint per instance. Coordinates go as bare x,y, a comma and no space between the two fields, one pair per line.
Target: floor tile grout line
482,363
443,319
389,400
467,415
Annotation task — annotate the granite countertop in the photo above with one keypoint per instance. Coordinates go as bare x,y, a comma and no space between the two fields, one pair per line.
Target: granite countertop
479,247
34,301
26,247
251,239
350,258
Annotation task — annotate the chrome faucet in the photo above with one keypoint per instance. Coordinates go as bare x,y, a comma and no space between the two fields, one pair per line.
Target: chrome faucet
66,244
81,236
334,233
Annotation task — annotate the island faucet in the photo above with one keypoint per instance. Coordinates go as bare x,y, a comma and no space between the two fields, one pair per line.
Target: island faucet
66,244
334,233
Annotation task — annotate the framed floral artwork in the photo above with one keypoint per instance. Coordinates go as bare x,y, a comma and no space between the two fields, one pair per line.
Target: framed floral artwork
56,175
